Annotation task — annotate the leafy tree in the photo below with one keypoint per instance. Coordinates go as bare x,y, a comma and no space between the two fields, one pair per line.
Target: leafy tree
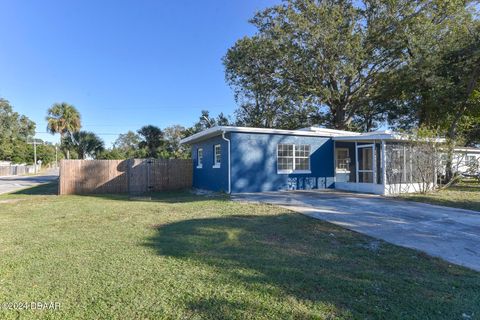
112,154
472,134
151,140
251,68
85,144
127,144
439,85
64,119
45,153
173,148
330,59
15,129
205,121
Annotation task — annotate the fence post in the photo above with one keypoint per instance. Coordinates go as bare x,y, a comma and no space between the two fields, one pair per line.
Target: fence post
129,166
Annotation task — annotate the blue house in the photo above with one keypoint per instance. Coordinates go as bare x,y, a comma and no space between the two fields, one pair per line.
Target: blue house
242,159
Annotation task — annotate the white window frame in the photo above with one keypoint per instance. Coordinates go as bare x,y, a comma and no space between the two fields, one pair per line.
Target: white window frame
341,170
199,158
216,162
294,171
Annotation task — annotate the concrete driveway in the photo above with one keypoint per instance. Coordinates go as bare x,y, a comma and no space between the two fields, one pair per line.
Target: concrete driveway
14,183
452,234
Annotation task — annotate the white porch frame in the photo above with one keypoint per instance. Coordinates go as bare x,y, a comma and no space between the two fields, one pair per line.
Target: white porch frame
374,162
367,187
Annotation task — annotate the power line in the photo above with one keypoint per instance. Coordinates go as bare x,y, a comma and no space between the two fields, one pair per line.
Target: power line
100,134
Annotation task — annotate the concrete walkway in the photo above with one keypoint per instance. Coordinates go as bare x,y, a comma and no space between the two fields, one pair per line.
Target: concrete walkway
14,183
449,233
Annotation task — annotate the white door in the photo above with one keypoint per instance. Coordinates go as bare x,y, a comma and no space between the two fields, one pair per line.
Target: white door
366,163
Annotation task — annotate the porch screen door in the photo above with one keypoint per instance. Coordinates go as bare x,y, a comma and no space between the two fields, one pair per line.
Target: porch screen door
366,163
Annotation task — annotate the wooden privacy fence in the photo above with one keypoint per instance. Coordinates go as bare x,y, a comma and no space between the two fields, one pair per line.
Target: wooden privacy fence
134,176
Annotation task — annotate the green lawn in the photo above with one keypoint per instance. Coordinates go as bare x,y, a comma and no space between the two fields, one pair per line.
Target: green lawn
465,195
181,256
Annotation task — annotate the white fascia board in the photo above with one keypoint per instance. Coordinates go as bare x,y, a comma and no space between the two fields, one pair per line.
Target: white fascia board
386,137
370,137
334,132
215,131
467,150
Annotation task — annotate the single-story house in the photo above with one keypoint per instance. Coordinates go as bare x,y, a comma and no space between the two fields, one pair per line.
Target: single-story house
466,161
242,159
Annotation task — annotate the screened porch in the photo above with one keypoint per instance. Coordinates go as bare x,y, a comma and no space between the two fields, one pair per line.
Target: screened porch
383,166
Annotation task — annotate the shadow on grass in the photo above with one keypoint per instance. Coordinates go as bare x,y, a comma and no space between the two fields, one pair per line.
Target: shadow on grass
182,196
50,188
324,266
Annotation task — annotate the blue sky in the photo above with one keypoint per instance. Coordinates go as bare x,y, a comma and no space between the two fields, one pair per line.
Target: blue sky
123,64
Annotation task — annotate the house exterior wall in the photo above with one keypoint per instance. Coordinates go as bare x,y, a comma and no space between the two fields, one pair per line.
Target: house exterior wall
208,177
461,162
254,163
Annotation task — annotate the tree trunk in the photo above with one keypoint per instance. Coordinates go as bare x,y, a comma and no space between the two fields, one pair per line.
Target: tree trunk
339,118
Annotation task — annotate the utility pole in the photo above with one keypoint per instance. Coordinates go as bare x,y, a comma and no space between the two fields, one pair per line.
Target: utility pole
35,154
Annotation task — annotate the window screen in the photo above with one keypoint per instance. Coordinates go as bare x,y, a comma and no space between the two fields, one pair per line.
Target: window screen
291,158
200,157
217,155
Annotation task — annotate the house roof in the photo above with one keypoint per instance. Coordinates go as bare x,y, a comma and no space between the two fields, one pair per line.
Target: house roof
386,135
468,150
337,135
218,130
374,135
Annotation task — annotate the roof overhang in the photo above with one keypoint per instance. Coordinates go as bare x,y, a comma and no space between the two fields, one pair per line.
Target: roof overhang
337,135
372,137
467,150
384,136
216,131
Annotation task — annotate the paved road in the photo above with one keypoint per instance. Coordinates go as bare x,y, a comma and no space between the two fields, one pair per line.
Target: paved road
14,183
449,233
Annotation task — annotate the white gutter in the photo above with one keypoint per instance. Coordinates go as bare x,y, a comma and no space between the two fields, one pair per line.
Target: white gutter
229,174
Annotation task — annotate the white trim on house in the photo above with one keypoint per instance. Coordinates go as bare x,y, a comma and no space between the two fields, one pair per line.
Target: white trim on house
330,131
467,150
229,164
379,135
381,189
294,156
373,162
216,160
337,135
316,132
199,158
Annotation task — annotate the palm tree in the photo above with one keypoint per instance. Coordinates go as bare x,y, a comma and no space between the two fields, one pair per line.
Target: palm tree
85,143
64,119
152,140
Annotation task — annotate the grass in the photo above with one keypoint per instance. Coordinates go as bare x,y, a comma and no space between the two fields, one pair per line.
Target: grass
181,256
465,195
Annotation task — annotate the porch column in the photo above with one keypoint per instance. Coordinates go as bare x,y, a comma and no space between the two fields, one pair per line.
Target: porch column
356,163
384,162
334,161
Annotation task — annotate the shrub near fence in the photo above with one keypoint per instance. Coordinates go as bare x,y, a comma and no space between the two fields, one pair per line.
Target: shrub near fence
134,176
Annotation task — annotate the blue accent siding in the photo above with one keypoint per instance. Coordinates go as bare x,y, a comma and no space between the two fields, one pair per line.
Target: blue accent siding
207,177
254,163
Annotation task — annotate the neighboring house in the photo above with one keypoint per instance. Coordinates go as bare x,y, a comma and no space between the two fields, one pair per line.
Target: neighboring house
241,159
466,161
